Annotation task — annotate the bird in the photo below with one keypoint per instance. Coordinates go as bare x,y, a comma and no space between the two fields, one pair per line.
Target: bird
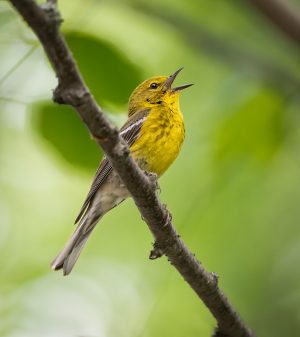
154,132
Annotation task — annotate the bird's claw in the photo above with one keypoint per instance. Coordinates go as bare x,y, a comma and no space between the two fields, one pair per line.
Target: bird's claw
168,218
153,180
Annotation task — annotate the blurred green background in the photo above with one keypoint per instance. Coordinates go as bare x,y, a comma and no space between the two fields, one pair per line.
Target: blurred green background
234,191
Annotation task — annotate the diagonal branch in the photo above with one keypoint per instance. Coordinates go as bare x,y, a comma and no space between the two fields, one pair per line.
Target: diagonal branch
44,21
282,15
237,56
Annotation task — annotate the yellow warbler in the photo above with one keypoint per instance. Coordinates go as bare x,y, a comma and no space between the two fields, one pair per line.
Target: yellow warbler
154,132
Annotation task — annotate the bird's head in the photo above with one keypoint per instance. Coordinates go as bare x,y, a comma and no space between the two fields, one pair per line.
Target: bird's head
154,91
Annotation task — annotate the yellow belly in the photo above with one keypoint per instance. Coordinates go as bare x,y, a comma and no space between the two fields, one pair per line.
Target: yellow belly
160,140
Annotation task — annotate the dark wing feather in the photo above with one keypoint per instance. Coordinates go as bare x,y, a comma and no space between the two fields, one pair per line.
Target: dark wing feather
129,132
102,172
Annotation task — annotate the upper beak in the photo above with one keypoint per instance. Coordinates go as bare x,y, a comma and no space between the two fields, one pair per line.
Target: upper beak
171,79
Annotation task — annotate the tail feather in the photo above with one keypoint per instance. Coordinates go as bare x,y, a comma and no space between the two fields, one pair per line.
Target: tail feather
67,258
71,259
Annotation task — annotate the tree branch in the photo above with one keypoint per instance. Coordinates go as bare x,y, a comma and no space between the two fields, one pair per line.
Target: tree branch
44,21
282,15
222,50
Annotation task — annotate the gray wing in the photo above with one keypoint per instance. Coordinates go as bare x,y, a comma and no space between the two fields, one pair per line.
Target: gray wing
101,174
130,132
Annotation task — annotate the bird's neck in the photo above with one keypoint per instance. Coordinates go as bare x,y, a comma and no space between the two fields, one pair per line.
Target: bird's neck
170,101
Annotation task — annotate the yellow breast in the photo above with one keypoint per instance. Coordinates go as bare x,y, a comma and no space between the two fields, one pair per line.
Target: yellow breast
160,138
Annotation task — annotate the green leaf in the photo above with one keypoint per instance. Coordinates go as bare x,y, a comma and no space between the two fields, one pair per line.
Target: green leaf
60,127
110,77
253,131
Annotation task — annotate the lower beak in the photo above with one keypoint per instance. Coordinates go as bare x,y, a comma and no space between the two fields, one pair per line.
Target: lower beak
171,79
181,87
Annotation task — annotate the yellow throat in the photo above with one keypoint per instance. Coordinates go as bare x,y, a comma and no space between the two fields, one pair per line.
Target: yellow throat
162,132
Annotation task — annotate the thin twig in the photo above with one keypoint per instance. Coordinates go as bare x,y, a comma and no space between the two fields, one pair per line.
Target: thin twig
12,100
45,20
282,15
17,65
205,41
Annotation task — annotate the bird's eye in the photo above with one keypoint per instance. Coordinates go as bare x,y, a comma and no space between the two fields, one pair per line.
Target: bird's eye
153,85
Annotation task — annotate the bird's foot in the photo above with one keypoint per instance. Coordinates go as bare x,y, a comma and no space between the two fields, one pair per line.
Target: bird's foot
153,180
168,218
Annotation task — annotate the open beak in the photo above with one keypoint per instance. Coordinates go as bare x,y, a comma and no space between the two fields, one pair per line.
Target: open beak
171,79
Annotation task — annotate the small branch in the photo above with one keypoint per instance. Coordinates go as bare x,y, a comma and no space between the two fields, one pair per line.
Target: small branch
282,15
45,20
237,56
17,65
